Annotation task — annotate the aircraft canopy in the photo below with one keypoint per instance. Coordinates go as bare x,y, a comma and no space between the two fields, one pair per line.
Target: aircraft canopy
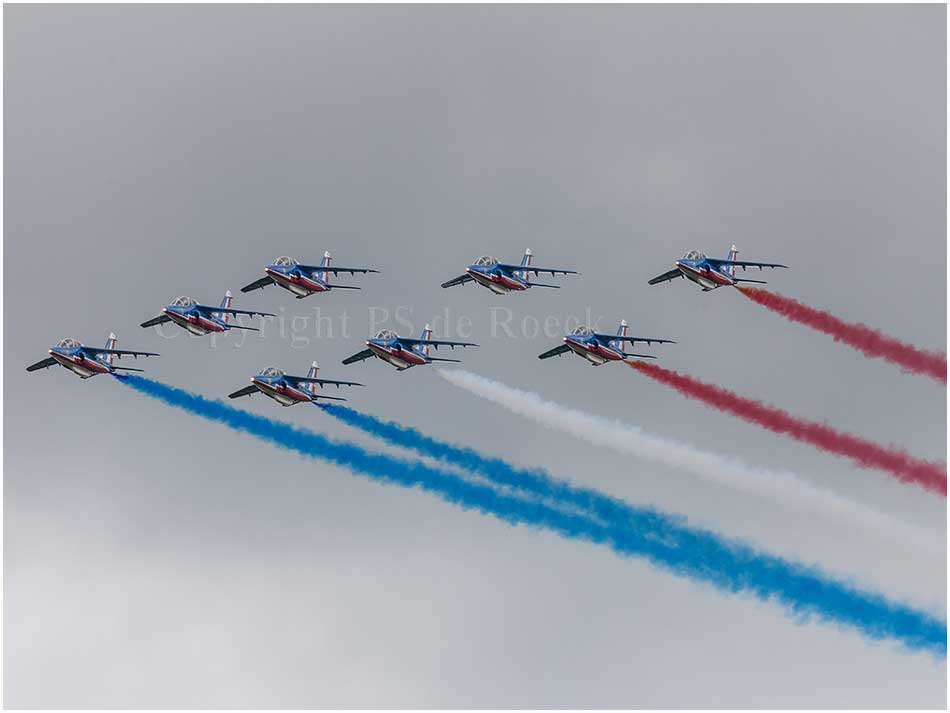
184,302
69,343
285,261
486,261
694,255
385,334
271,371
582,331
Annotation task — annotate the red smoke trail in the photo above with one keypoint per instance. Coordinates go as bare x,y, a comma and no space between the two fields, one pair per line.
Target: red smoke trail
868,341
932,476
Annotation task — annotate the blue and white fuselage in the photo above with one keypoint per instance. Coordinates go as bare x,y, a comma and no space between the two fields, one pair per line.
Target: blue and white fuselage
303,280
404,352
710,272
502,278
600,348
87,361
288,390
202,319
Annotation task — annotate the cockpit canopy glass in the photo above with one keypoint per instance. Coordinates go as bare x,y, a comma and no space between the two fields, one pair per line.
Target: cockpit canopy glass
184,302
69,343
385,334
694,255
271,371
582,331
486,261
285,261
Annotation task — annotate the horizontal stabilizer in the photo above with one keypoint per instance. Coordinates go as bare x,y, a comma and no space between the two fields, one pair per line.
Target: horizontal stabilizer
457,361
127,368
639,356
540,284
758,282
238,326
343,287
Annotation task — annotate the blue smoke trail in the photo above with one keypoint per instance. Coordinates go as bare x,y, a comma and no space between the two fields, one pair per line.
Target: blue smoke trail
687,552
537,481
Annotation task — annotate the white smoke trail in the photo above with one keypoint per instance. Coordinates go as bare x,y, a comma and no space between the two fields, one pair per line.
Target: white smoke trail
781,486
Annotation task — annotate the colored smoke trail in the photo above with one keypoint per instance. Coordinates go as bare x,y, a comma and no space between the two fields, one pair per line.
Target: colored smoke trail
866,340
783,487
688,552
929,475
534,483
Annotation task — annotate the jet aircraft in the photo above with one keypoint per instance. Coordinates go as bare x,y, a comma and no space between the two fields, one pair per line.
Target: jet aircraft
403,352
601,348
288,390
202,319
501,278
303,280
87,361
710,272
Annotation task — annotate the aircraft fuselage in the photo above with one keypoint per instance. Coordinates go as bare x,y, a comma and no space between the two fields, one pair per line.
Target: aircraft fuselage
80,365
397,355
593,351
498,282
194,322
282,393
703,274
298,285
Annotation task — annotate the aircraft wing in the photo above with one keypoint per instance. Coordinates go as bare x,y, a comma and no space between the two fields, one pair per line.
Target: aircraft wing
336,270
535,269
742,263
246,391
645,340
42,364
671,275
436,343
359,356
312,380
557,351
160,319
460,280
121,352
230,310
258,284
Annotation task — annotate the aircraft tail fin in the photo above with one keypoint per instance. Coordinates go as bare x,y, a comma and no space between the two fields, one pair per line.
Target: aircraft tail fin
325,263
426,334
525,262
312,374
226,303
731,269
621,332
110,344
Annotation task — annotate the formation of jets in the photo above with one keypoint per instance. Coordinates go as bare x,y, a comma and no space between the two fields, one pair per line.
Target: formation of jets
303,280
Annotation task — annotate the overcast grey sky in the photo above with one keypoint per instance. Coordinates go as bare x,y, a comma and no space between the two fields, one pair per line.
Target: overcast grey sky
155,560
